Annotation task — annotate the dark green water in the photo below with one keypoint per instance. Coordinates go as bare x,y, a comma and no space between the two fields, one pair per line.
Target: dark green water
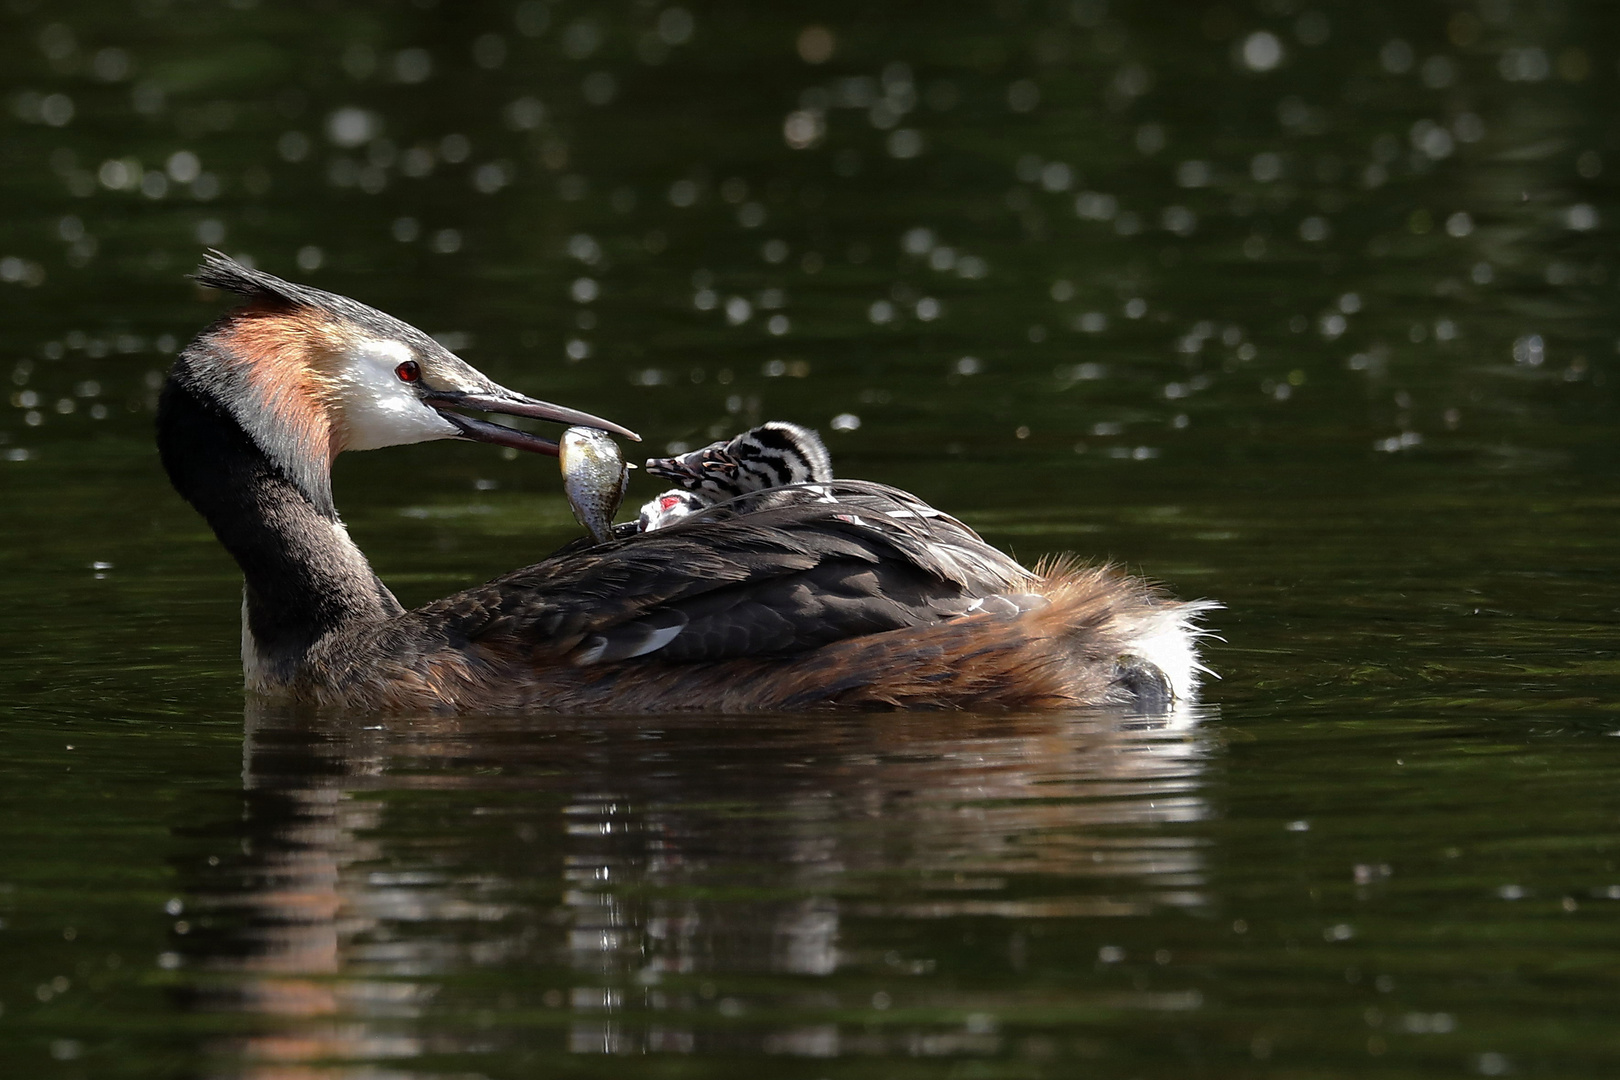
1307,309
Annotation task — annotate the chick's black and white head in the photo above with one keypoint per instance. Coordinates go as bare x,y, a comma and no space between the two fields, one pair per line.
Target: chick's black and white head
772,455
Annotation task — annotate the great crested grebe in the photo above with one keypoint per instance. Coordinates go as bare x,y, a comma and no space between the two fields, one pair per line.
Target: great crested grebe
773,455
847,594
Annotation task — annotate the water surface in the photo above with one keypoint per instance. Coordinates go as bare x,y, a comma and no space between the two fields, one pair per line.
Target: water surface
1307,309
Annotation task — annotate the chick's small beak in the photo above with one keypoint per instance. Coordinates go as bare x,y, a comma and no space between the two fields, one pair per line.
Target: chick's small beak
498,399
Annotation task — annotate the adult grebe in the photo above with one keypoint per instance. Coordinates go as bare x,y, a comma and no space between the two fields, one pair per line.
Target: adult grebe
848,594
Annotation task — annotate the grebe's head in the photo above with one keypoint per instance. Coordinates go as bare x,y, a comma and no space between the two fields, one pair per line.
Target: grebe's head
309,374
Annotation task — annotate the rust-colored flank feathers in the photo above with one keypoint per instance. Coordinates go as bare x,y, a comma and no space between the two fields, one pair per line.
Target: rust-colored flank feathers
1068,653
796,596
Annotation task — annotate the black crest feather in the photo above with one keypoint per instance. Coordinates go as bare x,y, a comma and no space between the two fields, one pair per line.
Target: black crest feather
220,271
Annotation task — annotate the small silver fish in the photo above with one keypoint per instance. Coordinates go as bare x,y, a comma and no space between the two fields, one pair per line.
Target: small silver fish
595,477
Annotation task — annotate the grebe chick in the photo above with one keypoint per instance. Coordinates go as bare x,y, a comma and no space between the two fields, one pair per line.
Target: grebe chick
773,455
807,596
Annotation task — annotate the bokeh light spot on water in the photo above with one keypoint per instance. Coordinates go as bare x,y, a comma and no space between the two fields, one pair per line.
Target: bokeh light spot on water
583,247
683,193
599,88
57,42
581,38
1315,229
413,65
804,128
489,51
1131,81
525,114
1582,217
675,26
1179,220
1432,140
183,166
905,143
352,126
1194,174
1261,51
815,44
56,110
1530,350
1439,72
917,241
1396,56
492,176
1023,96
1096,206
455,147
1524,64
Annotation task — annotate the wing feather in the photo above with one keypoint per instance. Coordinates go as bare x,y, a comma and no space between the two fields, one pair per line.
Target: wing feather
775,572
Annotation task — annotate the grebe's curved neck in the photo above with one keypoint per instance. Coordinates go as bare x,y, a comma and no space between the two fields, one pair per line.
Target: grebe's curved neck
304,577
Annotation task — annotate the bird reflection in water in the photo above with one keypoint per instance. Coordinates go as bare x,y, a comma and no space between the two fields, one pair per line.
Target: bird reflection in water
427,887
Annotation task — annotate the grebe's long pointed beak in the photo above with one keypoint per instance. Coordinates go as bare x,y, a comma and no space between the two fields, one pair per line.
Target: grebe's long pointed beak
498,399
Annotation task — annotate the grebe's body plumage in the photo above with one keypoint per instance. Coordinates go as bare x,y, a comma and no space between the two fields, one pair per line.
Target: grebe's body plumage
806,596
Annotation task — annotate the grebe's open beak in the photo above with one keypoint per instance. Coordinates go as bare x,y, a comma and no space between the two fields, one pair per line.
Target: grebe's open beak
498,399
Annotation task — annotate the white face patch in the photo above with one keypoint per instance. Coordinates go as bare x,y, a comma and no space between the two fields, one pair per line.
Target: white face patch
379,408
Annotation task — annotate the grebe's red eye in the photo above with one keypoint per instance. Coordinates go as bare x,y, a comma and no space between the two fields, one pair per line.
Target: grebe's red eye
408,371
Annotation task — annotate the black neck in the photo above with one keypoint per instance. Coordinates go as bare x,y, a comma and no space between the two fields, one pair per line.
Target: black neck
305,577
